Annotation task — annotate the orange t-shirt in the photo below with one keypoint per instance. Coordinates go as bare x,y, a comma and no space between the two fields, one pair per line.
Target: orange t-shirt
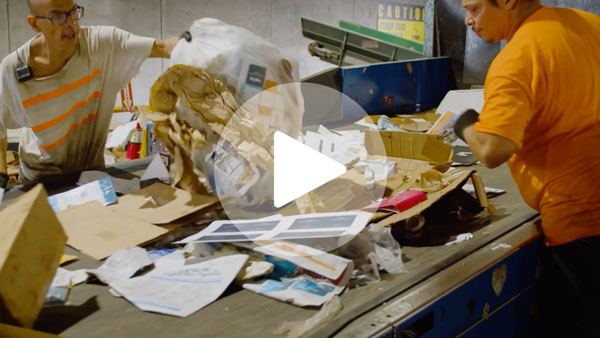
542,92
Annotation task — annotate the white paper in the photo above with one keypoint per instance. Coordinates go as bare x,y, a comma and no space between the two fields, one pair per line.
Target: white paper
183,290
334,224
120,185
66,278
369,125
78,276
457,101
121,135
376,170
301,291
500,246
156,169
122,265
471,189
343,147
323,263
461,238
61,279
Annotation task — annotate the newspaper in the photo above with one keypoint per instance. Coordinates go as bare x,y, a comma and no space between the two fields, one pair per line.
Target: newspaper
335,224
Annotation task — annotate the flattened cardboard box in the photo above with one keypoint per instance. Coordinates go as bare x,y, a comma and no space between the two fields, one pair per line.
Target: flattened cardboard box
431,198
32,242
162,204
99,232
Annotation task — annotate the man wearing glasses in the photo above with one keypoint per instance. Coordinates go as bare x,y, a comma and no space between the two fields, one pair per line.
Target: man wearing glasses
62,85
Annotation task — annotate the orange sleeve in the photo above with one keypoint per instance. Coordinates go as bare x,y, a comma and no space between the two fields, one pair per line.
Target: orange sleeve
508,103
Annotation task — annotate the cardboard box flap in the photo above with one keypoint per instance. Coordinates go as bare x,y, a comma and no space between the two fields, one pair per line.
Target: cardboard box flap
417,146
161,203
32,242
431,199
99,232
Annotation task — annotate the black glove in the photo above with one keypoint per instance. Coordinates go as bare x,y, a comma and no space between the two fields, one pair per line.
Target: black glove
187,36
468,118
3,181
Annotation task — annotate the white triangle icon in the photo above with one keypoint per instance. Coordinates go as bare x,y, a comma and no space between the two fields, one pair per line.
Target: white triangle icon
299,169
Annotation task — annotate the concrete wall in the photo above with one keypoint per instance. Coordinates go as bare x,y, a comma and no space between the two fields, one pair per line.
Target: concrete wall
275,20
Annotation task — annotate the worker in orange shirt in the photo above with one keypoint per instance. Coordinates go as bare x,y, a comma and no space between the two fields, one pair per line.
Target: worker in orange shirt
542,117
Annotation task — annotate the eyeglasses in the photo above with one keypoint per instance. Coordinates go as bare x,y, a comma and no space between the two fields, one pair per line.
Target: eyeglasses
60,18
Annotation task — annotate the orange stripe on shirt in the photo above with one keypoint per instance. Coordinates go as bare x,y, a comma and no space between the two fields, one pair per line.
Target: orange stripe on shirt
60,91
74,126
57,120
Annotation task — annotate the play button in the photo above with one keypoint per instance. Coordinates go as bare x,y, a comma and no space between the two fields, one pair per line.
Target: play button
298,169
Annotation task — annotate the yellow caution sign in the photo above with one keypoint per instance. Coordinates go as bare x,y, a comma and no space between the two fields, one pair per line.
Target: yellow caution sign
404,20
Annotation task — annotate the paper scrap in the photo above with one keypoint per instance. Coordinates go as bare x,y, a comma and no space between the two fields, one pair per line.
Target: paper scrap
363,123
490,192
461,238
122,265
500,246
57,295
121,186
323,263
300,291
156,169
67,258
183,290
101,190
120,136
320,225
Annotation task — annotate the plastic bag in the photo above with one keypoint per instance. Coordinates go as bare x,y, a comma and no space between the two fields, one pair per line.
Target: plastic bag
248,65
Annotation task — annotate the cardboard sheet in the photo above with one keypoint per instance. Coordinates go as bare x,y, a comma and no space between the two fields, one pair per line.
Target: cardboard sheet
161,204
31,245
459,180
99,232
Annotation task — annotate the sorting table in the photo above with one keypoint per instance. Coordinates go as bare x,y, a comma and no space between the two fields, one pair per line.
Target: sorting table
463,289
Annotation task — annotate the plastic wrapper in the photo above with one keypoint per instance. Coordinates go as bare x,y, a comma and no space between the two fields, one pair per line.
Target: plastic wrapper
372,250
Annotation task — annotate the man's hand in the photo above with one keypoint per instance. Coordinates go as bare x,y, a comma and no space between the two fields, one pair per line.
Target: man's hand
468,118
163,48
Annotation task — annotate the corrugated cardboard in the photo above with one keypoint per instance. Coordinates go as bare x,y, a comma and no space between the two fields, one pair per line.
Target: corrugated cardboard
416,146
431,198
415,123
99,232
162,204
32,242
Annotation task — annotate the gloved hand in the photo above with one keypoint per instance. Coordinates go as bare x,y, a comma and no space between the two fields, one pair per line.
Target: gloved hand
186,35
468,118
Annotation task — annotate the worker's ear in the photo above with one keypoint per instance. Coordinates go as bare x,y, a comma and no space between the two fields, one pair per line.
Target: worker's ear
32,21
508,4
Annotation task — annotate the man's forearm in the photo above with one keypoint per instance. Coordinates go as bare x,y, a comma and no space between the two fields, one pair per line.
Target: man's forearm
163,48
490,149
3,148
